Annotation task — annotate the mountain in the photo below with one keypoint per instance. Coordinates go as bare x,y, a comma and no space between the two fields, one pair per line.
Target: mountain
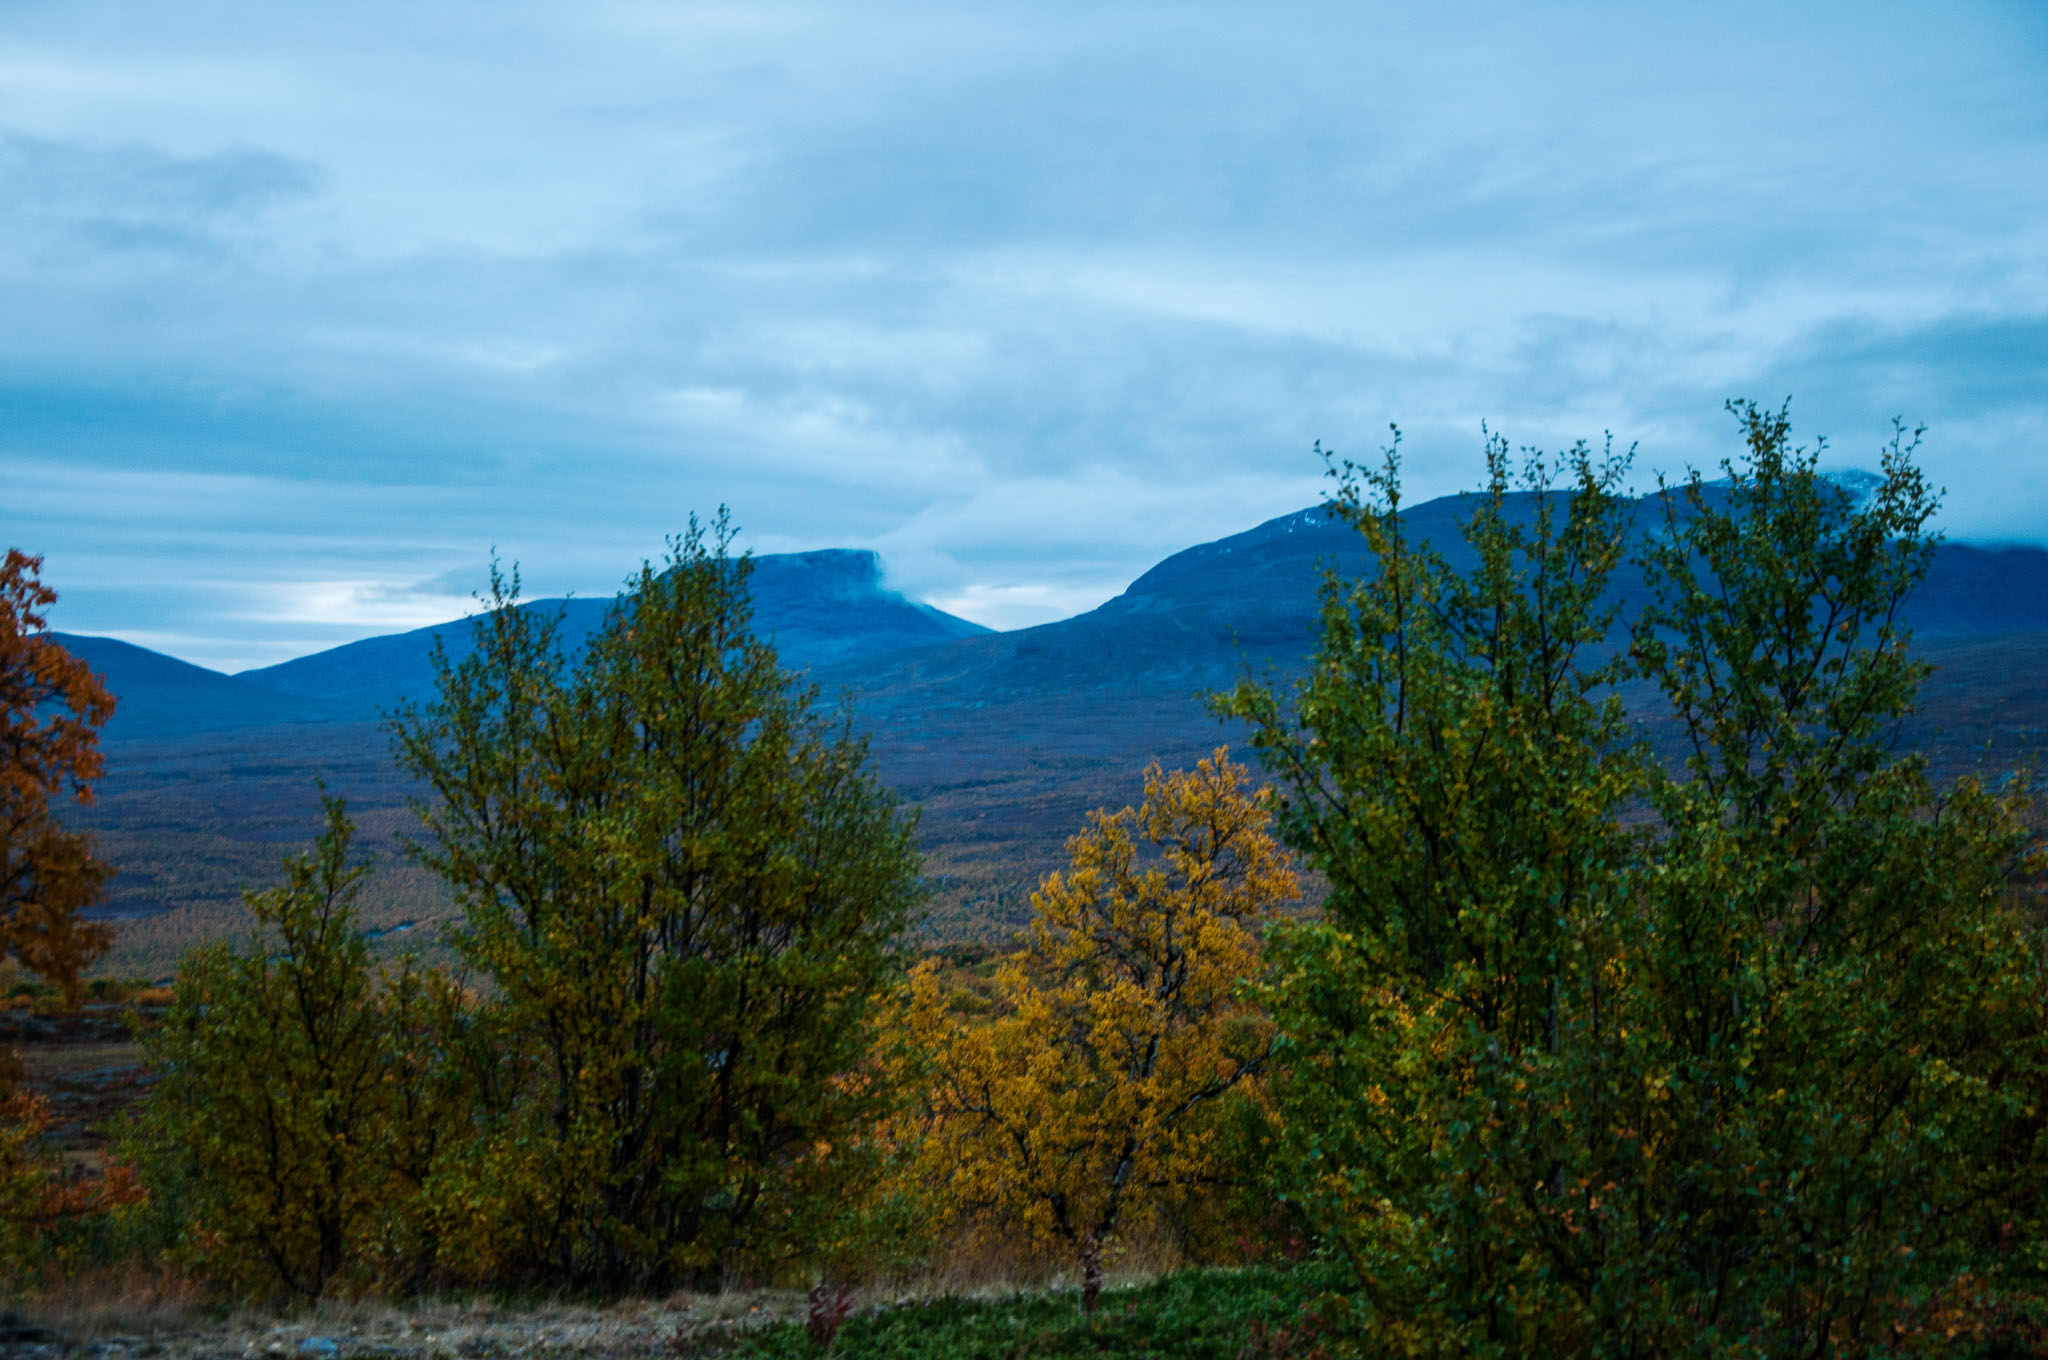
156,694
1193,621
1199,617
1980,591
819,608
1003,740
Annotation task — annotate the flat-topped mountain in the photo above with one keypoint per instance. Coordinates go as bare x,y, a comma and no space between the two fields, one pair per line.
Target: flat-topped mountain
820,608
1191,622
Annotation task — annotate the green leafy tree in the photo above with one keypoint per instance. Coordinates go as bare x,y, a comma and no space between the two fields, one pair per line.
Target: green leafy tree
684,886
1844,1000
1454,767
1735,1076
293,1124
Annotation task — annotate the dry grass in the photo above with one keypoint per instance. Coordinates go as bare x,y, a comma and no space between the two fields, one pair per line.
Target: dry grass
136,1298
144,1309
993,1265
137,1312
47,1060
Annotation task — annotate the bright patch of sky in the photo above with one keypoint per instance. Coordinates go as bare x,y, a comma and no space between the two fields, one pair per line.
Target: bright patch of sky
308,308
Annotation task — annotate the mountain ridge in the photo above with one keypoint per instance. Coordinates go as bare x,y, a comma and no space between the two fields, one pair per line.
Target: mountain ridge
1199,615
1004,740
1253,599
824,607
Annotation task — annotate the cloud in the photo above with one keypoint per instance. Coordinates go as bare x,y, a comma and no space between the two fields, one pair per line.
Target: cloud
309,306
369,605
70,197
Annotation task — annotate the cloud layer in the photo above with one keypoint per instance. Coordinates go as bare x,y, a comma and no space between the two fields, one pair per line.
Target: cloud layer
310,309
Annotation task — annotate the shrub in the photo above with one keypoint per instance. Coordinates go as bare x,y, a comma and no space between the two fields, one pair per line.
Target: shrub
1590,1056
293,1124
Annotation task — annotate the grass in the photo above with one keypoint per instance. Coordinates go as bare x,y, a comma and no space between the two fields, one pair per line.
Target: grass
1263,1311
1253,1313
1196,1314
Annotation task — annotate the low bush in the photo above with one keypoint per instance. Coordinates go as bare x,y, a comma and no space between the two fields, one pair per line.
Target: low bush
292,1130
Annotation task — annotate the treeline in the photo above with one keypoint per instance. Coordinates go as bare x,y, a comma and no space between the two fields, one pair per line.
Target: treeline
1583,1052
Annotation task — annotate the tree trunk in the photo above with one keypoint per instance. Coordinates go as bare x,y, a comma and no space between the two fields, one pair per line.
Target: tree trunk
1091,1273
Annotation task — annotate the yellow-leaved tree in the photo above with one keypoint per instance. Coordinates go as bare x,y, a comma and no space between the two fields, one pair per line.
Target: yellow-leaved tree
1092,1095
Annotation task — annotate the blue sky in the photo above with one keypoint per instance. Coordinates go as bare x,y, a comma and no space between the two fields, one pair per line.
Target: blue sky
308,307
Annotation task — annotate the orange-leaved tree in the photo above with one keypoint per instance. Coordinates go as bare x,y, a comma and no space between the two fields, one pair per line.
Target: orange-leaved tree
51,710
1095,1092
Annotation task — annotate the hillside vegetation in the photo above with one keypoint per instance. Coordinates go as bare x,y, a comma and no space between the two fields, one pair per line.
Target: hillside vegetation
1719,1036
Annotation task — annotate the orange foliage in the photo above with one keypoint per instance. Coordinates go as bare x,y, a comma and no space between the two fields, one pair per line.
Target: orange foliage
38,1194
51,710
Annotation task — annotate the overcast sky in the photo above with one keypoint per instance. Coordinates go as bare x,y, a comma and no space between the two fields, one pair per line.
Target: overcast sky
305,308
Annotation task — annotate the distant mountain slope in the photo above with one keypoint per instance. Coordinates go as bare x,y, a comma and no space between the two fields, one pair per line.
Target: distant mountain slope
819,608
1194,620
1004,741
1974,591
154,693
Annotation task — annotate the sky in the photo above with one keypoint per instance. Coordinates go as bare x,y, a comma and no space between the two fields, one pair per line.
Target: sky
307,310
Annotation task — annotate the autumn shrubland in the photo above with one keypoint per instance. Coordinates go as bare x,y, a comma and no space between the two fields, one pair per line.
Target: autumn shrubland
1586,1047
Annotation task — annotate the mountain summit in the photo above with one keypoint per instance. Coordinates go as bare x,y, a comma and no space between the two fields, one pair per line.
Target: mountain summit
1198,617
819,608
